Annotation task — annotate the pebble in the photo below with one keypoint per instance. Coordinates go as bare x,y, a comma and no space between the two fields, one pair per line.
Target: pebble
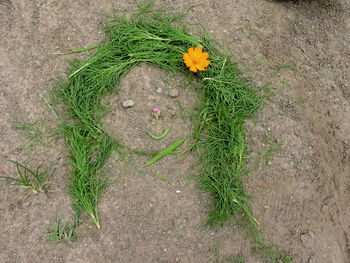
174,93
159,90
26,204
178,191
128,103
325,208
307,238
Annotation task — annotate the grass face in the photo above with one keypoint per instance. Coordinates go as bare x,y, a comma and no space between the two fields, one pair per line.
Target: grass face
228,101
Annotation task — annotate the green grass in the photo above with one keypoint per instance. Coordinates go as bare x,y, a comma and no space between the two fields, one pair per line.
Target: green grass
288,66
35,133
217,257
59,232
159,137
264,157
164,178
33,180
272,254
79,50
218,138
168,150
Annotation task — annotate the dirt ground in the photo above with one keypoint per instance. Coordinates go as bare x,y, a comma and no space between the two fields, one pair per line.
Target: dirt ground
300,189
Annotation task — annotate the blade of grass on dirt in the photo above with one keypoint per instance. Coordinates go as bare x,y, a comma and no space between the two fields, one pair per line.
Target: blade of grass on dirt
166,151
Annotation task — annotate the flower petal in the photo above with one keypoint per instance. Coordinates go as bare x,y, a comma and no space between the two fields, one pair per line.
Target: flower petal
204,55
193,68
189,63
190,51
198,50
204,63
199,67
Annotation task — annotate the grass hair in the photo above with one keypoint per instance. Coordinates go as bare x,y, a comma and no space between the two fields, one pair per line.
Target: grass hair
229,100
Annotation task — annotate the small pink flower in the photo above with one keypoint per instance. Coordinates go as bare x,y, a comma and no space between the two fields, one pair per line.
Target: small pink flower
155,112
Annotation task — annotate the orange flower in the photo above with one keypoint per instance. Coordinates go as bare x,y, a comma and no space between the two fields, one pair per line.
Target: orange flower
195,59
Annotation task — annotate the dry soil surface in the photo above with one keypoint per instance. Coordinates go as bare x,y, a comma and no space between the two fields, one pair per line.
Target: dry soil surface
301,192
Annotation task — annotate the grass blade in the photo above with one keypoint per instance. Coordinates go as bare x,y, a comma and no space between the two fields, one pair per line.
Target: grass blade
78,50
155,153
12,178
163,135
162,177
166,151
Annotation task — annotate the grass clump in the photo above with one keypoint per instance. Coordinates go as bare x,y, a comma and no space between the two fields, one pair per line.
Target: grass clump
220,134
217,257
153,38
265,156
272,254
33,180
59,232
35,132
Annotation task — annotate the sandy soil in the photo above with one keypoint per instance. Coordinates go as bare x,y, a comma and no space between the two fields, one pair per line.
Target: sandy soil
301,193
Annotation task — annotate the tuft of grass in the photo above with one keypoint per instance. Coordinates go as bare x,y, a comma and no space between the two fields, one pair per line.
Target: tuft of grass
229,100
59,232
217,257
174,230
234,259
35,132
273,146
272,254
33,180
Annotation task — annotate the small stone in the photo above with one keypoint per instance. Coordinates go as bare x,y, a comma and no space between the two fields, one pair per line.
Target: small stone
312,234
307,238
178,191
304,238
325,208
311,259
159,90
128,104
174,93
26,204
